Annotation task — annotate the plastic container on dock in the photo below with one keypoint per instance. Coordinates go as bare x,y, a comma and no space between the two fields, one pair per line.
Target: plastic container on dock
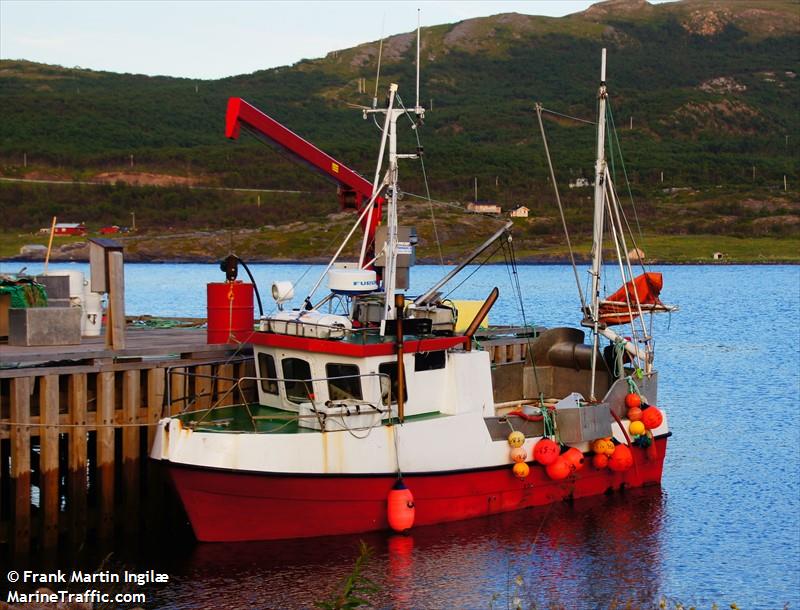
230,311
92,314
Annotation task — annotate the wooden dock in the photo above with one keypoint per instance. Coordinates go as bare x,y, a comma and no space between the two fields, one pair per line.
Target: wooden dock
77,423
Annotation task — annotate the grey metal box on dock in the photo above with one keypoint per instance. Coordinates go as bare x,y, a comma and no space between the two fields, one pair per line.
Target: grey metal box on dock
44,326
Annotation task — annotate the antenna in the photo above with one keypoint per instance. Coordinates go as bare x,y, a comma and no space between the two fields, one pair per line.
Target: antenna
416,108
603,68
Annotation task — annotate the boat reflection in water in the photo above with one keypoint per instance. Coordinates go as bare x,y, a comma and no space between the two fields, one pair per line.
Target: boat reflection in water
593,550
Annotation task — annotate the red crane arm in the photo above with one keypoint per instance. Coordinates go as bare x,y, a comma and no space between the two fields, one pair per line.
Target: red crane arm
354,190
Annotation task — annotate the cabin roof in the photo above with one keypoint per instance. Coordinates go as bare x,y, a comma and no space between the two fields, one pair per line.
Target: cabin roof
360,347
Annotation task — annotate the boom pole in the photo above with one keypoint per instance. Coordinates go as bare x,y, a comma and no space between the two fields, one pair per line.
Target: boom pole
599,209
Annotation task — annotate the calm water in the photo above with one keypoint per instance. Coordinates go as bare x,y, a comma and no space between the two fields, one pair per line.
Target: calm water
724,527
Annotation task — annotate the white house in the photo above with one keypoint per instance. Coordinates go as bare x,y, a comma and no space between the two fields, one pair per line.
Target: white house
484,208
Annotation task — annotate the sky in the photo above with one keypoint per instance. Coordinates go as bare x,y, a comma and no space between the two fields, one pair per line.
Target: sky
213,39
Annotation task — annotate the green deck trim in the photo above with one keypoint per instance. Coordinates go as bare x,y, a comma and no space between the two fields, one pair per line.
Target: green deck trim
235,419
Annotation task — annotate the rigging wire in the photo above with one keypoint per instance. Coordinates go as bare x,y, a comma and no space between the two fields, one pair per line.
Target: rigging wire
566,116
415,129
560,208
613,134
511,269
478,266
630,196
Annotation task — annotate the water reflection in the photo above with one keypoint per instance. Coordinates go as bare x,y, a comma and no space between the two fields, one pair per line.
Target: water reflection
578,554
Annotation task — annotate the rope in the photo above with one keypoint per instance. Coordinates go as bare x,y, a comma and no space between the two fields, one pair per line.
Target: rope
632,387
619,357
549,426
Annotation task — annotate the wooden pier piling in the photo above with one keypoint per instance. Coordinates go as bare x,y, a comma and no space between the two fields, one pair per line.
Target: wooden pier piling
86,415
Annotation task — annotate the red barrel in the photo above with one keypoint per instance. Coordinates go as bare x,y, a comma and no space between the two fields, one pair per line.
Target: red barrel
230,311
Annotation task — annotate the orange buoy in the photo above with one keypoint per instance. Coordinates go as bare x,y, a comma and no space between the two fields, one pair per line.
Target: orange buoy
575,459
516,439
604,446
518,454
652,417
600,461
400,507
621,460
634,414
559,469
633,400
521,470
546,451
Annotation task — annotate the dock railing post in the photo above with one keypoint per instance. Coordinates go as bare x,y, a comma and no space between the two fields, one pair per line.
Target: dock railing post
105,450
48,460
19,414
78,452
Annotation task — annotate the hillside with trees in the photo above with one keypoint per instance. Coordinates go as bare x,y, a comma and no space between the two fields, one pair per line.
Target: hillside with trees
704,96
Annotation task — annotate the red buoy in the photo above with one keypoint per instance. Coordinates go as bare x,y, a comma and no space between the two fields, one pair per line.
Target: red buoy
634,414
546,451
574,457
633,400
559,469
652,418
621,460
600,461
400,507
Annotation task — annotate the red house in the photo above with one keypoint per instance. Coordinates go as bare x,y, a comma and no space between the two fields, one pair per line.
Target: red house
70,228
109,230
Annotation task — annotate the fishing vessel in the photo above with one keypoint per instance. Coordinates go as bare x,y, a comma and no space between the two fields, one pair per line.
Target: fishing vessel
380,409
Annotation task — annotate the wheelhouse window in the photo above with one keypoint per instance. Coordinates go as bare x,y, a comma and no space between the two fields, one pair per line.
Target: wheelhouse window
343,381
390,369
429,361
268,373
297,380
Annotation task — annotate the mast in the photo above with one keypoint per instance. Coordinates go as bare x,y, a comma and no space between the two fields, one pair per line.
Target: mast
390,275
599,209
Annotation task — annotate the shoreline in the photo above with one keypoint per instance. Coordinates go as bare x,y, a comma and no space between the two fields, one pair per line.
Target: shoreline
420,262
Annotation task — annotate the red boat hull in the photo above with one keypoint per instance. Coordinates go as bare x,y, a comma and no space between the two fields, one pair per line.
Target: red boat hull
225,505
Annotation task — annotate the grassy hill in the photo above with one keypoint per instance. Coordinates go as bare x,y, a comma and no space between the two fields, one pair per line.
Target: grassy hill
703,92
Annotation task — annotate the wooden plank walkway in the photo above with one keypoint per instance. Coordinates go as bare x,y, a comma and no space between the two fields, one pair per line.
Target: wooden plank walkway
140,343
